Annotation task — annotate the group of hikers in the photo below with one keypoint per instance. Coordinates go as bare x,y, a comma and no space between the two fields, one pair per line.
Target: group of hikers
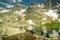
44,31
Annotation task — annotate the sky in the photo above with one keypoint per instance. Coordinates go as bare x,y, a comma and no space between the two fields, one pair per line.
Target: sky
4,3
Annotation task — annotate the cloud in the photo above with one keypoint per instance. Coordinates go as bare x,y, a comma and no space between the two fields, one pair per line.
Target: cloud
14,1
17,1
1,7
4,3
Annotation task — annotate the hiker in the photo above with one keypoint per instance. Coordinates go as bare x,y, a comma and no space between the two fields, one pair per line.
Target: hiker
55,34
47,35
30,29
42,33
59,32
44,30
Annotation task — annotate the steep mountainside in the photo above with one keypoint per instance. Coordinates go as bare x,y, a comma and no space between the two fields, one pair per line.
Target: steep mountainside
19,15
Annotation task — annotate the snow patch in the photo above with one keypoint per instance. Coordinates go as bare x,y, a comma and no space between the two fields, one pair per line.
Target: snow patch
30,22
52,13
4,11
20,12
30,28
40,5
55,34
23,10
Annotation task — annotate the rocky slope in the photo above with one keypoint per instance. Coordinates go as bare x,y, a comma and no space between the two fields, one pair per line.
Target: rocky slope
19,15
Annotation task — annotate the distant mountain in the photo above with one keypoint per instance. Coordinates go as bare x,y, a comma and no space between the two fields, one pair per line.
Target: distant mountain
18,7
24,2
51,3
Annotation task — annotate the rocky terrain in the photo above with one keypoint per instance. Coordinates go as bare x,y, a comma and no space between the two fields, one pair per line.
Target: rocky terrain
11,19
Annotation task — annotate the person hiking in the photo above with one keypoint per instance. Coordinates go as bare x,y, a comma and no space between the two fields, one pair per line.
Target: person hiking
47,35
